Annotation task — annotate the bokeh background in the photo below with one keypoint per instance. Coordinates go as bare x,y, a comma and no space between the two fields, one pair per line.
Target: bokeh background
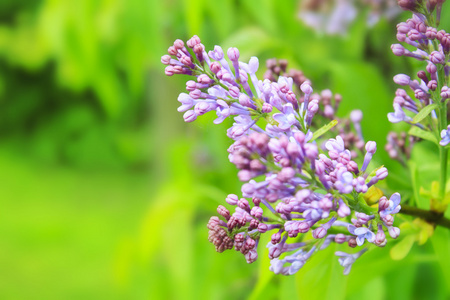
106,192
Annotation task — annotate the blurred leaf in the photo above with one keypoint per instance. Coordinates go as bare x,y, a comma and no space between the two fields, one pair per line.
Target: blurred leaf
263,14
323,129
250,41
441,245
420,133
402,248
421,202
193,10
371,96
223,16
264,275
322,277
424,113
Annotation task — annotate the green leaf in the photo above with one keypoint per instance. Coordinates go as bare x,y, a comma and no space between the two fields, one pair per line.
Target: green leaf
421,201
322,130
321,277
424,112
426,135
264,275
399,251
441,245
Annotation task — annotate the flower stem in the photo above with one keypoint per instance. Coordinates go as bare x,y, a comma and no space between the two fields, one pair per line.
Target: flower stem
443,181
443,151
429,216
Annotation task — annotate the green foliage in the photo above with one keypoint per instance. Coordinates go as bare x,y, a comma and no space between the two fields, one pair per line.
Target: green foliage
106,192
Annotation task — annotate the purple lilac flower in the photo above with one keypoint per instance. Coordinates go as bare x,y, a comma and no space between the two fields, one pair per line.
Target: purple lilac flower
371,148
430,45
290,185
445,136
346,260
393,206
398,115
362,233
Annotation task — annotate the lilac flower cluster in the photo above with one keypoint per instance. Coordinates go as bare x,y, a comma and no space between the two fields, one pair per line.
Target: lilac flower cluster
291,186
432,87
277,68
335,16
399,146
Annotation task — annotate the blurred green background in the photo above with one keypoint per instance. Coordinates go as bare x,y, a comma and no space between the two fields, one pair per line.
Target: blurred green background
106,192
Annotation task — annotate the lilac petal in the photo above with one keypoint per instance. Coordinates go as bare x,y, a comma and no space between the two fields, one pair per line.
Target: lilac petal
351,229
361,230
395,198
370,236
360,240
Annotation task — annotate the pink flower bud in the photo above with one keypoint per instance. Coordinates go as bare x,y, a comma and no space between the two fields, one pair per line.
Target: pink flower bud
340,238
190,116
233,54
232,199
192,42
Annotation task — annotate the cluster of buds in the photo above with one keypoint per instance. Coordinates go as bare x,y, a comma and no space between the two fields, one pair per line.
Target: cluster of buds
428,108
328,105
335,17
291,186
399,146
277,68
422,7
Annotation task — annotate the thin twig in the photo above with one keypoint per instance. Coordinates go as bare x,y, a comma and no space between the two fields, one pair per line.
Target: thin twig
427,215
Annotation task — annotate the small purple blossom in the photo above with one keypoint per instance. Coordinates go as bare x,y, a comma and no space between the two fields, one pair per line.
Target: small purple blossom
346,260
398,115
393,205
362,233
344,181
371,148
445,136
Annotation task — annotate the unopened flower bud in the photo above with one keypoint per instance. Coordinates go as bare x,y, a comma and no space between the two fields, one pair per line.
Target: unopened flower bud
389,220
244,100
398,49
402,79
319,233
172,50
276,238
223,211
243,203
383,203
340,238
382,173
380,238
356,116
191,85
437,57
266,108
190,116
371,147
262,227
233,54
215,67
234,91
232,199
257,212
432,85
394,232
251,256
256,201
352,242
306,88
343,210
